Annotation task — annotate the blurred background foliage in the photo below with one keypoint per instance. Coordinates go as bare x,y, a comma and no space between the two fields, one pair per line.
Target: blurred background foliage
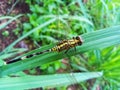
76,17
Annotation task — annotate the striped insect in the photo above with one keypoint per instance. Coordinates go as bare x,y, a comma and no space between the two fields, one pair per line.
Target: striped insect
67,44
61,46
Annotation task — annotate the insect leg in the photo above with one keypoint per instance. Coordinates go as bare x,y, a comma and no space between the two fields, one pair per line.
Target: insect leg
66,51
75,49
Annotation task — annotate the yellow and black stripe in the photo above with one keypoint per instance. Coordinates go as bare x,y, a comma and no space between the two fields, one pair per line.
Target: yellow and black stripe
63,45
67,44
28,56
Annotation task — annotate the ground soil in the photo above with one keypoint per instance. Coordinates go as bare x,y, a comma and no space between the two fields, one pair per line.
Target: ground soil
7,10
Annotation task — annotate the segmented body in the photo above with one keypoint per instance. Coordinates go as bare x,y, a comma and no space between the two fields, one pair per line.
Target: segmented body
67,44
63,45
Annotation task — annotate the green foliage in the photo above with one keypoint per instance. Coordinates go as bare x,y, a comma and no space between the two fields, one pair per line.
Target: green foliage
104,12
52,20
95,40
28,82
16,31
9,21
5,33
68,20
73,17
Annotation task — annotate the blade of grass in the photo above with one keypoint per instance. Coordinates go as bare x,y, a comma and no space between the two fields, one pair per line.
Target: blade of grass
55,80
12,19
31,31
12,53
79,18
99,39
5,17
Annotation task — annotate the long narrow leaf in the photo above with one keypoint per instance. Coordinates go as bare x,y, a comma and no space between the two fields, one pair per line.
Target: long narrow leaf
12,19
99,39
56,80
33,30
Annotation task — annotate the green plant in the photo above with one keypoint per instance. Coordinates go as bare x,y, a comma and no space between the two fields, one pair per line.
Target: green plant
9,21
96,40
104,13
73,18
16,31
50,20
68,20
5,33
